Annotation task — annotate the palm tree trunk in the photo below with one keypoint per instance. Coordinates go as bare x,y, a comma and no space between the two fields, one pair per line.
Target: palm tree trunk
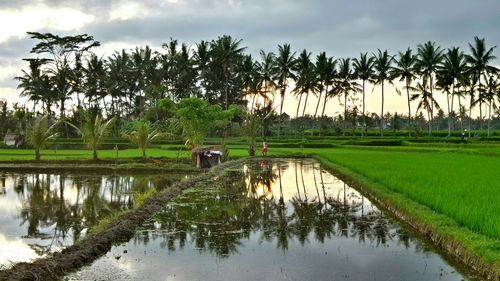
94,154
382,112
489,119
298,106
305,105
317,105
470,110
409,107
37,154
461,115
324,105
449,116
345,112
432,104
365,129
480,114
283,89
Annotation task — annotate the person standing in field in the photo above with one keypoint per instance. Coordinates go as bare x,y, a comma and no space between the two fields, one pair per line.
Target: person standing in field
264,148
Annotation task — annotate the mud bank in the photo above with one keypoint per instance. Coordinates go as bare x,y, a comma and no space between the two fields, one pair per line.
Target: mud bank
122,229
100,166
449,244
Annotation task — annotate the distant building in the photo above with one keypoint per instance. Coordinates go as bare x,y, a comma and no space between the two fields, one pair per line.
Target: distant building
10,139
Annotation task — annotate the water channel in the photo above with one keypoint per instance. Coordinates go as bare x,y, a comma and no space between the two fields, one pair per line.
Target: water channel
43,213
276,219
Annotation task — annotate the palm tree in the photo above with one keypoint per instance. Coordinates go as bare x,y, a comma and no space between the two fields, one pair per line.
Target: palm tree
266,76
363,69
428,58
305,83
491,92
143,135
426,102
40,134
330,79
225,53
479,60
283,70
325,70
94,131
36,85
382,65
453,66
405,71
347,84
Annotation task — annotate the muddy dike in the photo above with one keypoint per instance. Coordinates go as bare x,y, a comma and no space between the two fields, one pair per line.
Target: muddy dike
120,230
453,249
128,166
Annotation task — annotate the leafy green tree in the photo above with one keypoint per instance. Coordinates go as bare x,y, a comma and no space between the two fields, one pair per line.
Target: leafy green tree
197,118
61,51
41,133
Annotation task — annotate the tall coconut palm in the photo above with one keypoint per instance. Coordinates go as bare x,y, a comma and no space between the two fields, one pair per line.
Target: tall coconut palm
305,82
492,92
426,100
453,66
347,83
480,64
40,133
283,71
363,69
405,71
265,74
428,58
330,80
36,85
225,52
325,69
382,65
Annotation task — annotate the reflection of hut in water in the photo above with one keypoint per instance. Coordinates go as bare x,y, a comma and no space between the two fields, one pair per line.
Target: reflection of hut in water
206,157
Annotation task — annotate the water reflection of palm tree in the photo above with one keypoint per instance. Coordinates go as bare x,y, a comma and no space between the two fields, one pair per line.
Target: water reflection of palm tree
218,218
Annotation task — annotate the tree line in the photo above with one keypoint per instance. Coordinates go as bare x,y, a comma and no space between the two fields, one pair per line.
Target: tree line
147,84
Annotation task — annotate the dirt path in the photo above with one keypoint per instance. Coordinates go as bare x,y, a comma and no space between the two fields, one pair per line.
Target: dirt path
123,229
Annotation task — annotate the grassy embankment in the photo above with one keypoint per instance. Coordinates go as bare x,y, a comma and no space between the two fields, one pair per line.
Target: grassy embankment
452,191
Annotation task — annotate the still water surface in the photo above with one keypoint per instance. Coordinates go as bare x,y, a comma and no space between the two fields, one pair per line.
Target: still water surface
43,213
271,220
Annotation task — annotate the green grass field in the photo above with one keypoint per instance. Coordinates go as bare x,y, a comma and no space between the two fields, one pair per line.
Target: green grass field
462,186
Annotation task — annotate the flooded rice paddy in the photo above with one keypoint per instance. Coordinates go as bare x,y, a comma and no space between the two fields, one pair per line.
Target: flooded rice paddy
271,220
43,213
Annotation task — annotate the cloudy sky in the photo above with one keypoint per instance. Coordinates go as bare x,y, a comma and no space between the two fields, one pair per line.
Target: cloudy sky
342,28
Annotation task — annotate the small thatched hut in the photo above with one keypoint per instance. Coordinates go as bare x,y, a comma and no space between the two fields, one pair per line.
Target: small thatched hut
206,157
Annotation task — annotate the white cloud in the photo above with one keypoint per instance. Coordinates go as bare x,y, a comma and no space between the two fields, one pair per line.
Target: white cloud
17,22
128,10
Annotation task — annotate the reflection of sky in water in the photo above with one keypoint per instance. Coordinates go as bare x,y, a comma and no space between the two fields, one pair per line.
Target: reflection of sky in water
42,213
157,252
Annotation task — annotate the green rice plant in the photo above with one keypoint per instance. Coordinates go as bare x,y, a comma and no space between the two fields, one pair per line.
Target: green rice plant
464,187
